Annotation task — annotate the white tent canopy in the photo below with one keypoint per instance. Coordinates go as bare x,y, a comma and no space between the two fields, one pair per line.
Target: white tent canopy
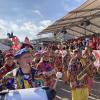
4,47
84,20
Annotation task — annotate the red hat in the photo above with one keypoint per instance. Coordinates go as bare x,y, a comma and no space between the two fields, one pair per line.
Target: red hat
9,55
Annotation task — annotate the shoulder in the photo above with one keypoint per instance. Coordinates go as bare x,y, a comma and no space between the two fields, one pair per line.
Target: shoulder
11,74
8,75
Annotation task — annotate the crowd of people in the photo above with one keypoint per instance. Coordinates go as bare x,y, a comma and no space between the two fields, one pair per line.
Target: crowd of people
27,68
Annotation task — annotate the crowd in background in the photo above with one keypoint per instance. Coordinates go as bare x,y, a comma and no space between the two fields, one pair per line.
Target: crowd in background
56,57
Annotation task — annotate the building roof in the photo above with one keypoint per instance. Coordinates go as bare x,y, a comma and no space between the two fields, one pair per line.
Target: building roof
84,20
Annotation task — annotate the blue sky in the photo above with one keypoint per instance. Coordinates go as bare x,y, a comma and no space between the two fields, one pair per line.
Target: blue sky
28,17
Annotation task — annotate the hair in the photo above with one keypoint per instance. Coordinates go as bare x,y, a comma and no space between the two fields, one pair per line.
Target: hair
26,45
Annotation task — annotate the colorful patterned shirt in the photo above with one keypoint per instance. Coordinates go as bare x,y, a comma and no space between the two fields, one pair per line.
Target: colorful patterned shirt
17,79
74,68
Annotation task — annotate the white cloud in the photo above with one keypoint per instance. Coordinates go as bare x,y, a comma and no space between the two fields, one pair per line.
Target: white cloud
46,23
14,27
3,28
24,29
37,12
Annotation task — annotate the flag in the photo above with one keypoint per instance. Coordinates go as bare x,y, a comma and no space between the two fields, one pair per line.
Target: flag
96,54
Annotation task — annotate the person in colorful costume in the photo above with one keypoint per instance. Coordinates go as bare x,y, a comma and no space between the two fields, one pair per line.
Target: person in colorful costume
23,76
78,84
8,65
89,60
47,70
58,61
65,61
36,60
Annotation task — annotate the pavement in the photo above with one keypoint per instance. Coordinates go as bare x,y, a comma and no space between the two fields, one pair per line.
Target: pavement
64,92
